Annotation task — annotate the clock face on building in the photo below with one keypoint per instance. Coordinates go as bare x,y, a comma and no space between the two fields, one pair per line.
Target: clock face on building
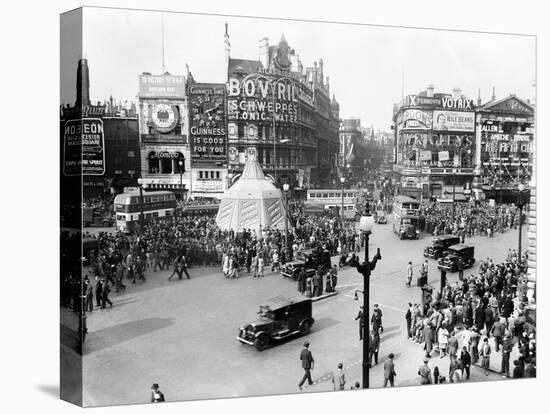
165,117
207,111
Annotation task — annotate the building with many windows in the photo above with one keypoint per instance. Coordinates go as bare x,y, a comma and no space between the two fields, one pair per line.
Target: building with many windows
282,115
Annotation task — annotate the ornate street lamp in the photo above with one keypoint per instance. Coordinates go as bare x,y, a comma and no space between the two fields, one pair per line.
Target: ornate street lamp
285,192
366,225
520,203
142,184
342,181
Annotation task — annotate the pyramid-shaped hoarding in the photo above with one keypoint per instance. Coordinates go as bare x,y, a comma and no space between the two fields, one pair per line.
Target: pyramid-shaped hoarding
252,202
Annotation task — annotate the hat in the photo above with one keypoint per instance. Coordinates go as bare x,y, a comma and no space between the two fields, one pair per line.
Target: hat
340,365
155,386
426,360
391,356
306,344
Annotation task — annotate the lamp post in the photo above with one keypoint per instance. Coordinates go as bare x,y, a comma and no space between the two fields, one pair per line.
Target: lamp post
520,204
142,184
180,163
342,181
285,192
454,185
366,224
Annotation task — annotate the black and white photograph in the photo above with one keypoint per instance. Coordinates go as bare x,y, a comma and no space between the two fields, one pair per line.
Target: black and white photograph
255,206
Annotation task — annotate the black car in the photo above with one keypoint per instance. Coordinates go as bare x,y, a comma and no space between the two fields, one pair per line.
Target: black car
455,253
278,319
306,258
439,245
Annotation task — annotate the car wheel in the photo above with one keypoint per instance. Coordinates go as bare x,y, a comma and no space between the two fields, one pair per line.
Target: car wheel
305,327
261,342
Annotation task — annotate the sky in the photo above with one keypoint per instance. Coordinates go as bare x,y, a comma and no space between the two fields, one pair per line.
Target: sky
370,67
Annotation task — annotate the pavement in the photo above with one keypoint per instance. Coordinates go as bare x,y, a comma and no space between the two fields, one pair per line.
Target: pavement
181,334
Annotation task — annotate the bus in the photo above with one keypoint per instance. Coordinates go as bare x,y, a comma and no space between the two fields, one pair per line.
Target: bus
156,205
406,215
332,200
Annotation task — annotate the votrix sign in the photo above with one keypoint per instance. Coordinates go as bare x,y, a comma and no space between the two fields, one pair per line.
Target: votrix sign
461,103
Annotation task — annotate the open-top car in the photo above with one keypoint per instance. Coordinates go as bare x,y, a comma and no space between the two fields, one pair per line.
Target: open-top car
278,319
439,245
305,259
456,253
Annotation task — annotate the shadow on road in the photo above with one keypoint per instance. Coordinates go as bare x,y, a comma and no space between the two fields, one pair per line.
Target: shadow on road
387,337
51,390
105,338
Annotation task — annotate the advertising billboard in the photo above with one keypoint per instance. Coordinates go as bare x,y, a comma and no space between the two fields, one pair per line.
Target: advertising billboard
207,122
83,147
162,86
263,97
454,121
415,119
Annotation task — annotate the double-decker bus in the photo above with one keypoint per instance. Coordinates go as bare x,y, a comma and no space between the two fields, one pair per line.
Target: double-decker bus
156,205
332,200
406,215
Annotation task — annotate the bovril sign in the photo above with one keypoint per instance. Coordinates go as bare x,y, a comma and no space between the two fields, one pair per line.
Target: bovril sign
461,103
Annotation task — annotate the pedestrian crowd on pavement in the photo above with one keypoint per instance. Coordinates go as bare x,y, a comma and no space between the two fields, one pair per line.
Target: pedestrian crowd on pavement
468,219
460,320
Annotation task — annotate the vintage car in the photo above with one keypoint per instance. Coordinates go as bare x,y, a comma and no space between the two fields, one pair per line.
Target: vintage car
440,245
278,319
305,258
454,254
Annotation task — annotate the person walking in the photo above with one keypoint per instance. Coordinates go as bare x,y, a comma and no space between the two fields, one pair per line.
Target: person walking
376,319
156,394
507,345
89,296
409,274
105,296
374,347
260,266
465,362
98,291
425,372
485,355
408,318
339,381
453,345
453,368
183,260
443,340
474,344
361,317
307,364
428,338
302,277
497,331
389,371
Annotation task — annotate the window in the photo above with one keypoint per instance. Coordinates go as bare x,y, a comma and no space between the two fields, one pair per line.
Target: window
200,175
155,214
131,154
168,213
121,217
153,161
217,175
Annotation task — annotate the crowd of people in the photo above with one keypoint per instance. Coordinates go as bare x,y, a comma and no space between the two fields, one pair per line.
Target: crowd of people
468,219
461,319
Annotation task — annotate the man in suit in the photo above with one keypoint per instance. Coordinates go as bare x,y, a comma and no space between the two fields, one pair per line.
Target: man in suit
361,317
507,345
389,371
374,346
497,331
465,362
307,364
408,318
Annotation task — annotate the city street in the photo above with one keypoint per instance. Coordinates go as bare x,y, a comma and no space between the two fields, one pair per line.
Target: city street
182,334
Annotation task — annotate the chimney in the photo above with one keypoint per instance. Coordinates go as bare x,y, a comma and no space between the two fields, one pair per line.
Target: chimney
321,70
82,83
457,92
493,97
479,97
430,91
